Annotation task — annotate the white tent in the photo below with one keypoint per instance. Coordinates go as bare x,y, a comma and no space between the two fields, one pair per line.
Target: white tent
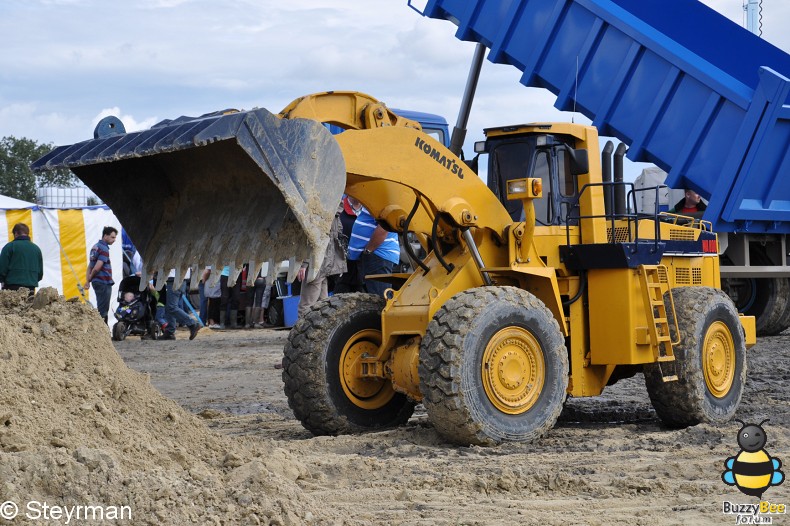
65,237
10,202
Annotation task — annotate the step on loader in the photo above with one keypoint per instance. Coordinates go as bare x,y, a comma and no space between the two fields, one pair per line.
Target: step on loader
535,287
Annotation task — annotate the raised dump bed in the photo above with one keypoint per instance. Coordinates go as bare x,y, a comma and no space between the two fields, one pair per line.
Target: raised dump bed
684,87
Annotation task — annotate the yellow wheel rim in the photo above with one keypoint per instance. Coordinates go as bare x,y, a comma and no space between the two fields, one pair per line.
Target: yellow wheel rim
513,370
367,393
718,359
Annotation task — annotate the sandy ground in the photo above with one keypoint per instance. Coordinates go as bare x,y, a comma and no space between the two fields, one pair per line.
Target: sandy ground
608,461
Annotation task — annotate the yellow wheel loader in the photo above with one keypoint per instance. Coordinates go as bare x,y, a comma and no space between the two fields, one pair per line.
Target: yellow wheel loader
539,286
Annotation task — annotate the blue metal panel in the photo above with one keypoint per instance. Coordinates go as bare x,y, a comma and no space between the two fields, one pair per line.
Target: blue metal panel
679,83
428,121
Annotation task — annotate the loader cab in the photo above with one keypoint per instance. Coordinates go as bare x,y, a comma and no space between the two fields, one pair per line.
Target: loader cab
515,152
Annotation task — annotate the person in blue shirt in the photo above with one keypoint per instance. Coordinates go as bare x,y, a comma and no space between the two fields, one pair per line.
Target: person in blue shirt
375,250
99,273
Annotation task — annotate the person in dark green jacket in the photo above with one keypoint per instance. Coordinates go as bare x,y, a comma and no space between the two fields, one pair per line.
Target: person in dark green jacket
21,263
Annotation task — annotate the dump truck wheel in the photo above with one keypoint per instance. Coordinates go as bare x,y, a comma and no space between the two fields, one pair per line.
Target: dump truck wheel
493,367
767,299
321,365
710,361
119,331
771,306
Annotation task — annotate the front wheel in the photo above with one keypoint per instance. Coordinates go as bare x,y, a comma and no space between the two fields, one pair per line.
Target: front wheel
321,369
493,367
119,331
710,361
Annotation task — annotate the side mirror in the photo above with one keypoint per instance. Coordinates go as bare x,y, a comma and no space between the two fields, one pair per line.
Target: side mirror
580,162
578,159
473,163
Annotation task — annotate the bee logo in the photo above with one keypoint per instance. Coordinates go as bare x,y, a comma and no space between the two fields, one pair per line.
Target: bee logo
752,470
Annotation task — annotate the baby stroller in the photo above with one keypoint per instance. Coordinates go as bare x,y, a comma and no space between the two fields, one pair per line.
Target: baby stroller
135,312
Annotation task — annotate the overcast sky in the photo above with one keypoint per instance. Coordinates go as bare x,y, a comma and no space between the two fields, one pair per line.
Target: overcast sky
65,64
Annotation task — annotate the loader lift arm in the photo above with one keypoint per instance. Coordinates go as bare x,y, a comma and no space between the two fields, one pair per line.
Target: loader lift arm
350,110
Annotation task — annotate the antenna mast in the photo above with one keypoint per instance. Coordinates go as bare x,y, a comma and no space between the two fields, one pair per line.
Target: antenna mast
754,16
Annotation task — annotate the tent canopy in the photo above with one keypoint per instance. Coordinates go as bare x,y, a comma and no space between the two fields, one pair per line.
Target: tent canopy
65,237
10,202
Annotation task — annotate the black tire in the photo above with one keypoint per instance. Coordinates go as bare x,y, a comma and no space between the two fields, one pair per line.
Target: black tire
154,331
771,306
767,299
475,331
325,401
705,391
275,313
119,331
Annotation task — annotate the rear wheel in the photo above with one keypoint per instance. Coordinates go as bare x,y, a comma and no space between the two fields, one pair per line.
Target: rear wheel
321,369
493,367
119,331
767,299
710,361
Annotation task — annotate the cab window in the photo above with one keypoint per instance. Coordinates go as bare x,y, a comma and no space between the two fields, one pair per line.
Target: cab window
436,133
567,180
543,211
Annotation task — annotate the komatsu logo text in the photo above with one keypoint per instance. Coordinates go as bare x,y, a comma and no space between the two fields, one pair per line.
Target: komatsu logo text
448,162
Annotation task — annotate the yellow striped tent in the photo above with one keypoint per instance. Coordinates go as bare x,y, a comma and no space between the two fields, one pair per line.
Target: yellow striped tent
65,237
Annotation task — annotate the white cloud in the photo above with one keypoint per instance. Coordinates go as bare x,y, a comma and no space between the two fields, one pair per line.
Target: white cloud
27,120
66,62
129,122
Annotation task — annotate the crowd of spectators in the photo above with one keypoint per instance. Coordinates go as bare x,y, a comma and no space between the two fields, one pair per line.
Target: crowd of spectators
358,247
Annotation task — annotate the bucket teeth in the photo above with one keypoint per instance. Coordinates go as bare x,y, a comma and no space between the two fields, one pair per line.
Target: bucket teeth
245,186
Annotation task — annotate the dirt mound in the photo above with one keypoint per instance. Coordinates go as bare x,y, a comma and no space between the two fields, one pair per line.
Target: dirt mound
79,428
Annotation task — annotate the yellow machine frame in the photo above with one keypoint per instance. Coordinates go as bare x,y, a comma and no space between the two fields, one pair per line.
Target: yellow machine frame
618,324
613,329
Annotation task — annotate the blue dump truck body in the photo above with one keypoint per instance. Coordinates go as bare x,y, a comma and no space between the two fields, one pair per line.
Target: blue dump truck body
684,87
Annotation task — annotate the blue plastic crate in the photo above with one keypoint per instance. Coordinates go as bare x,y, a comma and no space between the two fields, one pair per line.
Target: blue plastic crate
290,306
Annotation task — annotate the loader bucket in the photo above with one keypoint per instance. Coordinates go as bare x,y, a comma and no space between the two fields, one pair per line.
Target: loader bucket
216,190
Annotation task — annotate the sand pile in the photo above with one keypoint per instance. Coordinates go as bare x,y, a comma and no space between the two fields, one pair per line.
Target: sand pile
79,428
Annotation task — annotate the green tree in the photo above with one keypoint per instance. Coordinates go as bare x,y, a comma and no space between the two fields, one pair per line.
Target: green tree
17,179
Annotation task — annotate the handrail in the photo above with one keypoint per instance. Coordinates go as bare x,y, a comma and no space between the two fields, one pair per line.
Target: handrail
632,218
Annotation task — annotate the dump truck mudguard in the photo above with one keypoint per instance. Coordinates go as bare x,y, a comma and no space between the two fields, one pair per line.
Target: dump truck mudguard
219,189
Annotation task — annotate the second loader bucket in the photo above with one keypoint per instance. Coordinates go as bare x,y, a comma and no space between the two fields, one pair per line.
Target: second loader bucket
215,190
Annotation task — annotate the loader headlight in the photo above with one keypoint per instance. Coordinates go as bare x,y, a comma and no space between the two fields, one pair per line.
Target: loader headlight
516,188
530,188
